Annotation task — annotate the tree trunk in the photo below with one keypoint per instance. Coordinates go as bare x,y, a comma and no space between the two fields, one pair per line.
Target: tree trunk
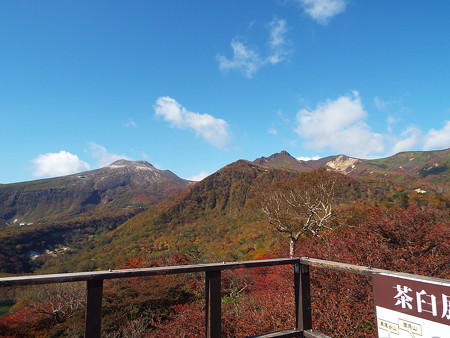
291,247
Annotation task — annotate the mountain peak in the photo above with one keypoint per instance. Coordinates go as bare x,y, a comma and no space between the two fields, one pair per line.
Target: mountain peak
284,152
122,184
127,163
281,160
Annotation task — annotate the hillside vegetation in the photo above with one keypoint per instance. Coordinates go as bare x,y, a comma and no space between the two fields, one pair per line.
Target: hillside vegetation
388,214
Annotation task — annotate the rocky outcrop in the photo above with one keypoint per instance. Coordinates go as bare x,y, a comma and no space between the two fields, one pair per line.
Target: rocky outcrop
343,164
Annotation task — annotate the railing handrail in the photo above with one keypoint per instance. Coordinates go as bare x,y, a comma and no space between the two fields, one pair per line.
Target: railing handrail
363,270
94,283
303,326
179,269
140,272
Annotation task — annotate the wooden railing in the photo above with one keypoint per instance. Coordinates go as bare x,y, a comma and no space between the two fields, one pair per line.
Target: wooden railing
303,324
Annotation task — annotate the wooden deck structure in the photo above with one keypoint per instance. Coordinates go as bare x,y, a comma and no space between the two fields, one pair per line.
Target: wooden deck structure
303,327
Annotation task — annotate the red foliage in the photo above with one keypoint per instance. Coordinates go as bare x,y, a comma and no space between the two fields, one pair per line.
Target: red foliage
254,301
412,240
21,323
261,300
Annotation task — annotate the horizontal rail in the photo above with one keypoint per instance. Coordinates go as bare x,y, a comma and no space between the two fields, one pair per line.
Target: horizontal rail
142,272
284,333
94,282
292,333
362,270
169,270
301,266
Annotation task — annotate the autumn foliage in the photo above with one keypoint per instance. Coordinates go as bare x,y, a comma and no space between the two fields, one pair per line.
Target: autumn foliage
411,240
376,225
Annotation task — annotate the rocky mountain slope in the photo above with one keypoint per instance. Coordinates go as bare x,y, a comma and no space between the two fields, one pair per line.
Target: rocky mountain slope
420,169
123,184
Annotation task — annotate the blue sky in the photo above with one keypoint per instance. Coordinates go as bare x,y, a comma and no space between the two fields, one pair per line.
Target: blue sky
191,86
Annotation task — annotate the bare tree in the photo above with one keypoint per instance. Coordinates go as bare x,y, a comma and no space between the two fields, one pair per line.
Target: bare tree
302,205
57,301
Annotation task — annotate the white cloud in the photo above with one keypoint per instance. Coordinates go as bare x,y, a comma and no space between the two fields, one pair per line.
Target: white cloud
58,164
277,41
215,131
438,139
339,125
323,10
244,59
248,60
408,139
103,156
199,176
302,158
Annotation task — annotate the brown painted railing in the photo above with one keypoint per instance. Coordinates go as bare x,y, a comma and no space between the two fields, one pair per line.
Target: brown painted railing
303,326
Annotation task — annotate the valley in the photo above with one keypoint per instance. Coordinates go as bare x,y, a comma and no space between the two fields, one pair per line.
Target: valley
388,213
133,207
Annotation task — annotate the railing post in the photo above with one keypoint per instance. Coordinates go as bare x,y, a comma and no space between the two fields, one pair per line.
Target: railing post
213,304
302,297
93,320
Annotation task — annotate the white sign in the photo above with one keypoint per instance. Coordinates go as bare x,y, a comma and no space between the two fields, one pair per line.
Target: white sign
410,307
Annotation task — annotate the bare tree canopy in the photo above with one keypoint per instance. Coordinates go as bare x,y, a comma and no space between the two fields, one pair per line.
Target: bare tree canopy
302,205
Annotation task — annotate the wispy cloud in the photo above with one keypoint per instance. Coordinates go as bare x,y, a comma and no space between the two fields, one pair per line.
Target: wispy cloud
213,130
438,139
407,140
244,59
339,125
58,164
200,176
323,10
391,120
303,158
102,156
248,60
130,123
278,42
273,131
380,103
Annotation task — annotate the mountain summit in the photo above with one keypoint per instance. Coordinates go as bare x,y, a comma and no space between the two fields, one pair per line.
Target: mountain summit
282,160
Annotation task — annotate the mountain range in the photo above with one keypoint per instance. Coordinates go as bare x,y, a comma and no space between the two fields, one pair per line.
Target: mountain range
120,185
429,169
130,208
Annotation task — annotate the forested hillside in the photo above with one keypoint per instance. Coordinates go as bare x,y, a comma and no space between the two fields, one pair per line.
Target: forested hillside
374,220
